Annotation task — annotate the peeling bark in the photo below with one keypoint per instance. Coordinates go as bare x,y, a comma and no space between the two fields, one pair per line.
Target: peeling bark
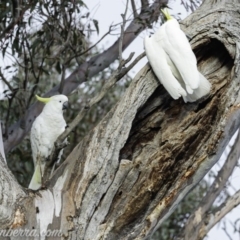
128,175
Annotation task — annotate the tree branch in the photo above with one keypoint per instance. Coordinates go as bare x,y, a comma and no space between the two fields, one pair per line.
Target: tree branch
87,50
121,36
194,222
116,76
213,218
6,81
62,78
85,71
144,3
134,8
223,176
226,231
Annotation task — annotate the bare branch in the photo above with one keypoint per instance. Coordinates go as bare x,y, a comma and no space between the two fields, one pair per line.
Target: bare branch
62,79
223,175
126,70
116,76
144,3
134,8
225,230
195,220
122,34
90,48
213,218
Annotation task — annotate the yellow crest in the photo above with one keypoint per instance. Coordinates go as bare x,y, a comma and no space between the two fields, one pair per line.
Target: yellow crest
44,100
166,14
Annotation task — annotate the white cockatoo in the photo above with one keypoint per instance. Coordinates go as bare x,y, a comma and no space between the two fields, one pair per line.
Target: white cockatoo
46,128
174,63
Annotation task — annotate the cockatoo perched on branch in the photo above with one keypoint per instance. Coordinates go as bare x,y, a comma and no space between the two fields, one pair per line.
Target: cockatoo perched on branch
174,63
47,127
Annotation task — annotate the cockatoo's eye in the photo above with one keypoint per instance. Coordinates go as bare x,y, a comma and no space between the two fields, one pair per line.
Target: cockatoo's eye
60,101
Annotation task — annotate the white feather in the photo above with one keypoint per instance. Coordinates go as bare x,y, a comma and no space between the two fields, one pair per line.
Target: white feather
178,48
203,89
161,68
174,63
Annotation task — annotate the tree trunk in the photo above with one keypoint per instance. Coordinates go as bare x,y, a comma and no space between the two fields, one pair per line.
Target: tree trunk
127,176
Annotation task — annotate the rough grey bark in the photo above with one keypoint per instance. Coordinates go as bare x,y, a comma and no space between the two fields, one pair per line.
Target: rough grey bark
133,169
10,195
202,219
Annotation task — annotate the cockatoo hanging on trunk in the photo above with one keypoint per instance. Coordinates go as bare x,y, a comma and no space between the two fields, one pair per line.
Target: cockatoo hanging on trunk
174,63
46,128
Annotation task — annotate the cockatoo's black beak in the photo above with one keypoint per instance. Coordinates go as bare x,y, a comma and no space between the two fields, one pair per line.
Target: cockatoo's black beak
65,106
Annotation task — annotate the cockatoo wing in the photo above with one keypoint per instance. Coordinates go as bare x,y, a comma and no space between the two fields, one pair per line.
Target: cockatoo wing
42,140
203,89
158,60
40,149
35,138
177,47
